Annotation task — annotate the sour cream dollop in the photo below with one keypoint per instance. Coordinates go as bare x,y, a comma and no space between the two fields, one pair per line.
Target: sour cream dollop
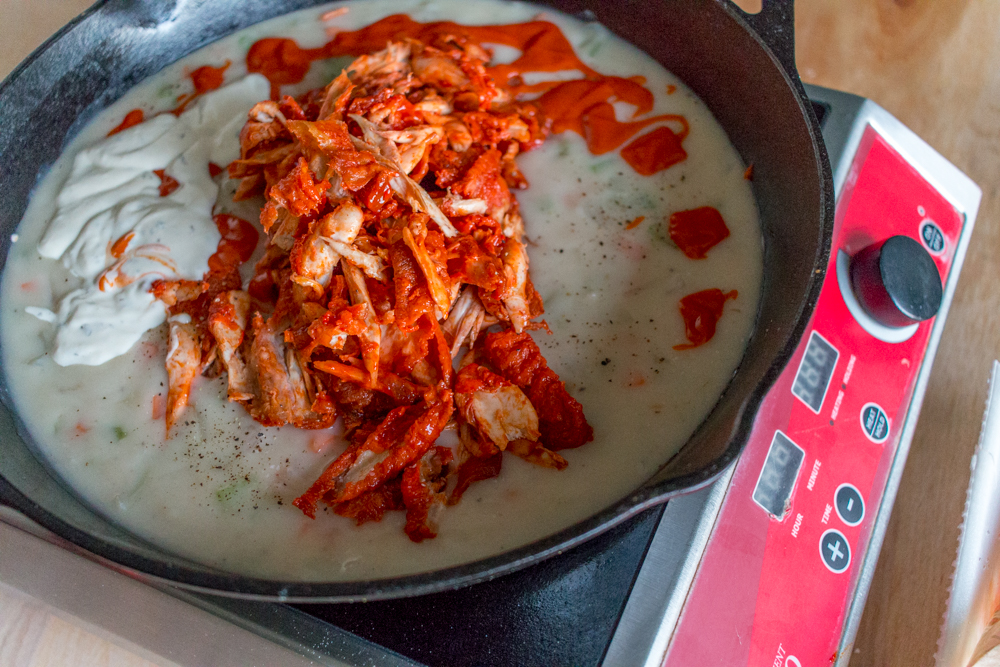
114,230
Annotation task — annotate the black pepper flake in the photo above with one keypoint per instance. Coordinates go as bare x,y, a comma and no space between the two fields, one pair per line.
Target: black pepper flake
605,362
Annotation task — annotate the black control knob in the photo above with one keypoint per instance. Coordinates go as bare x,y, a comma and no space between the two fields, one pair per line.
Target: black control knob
896,281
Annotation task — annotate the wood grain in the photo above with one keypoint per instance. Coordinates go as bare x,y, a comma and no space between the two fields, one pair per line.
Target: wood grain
22,623
64,644
24,24
33,634
933,65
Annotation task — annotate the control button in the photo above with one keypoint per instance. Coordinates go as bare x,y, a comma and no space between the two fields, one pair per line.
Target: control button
850,505
897,282
871,326
835,551
874,423
932,237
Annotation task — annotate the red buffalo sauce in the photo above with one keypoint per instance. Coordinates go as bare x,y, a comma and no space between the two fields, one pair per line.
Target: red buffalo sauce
697,231
603,132
372,505
118,247
205,79
133,117
656,151
239,239
701,312
581,105
475,469
283,61
167,182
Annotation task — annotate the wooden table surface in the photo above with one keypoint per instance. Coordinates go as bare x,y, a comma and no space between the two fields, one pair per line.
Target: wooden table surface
934,65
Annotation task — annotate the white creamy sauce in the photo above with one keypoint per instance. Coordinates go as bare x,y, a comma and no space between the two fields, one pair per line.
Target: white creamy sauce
112,191
220,490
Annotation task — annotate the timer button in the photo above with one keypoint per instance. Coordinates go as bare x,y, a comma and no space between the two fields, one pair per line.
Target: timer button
850,505
896,281
835,551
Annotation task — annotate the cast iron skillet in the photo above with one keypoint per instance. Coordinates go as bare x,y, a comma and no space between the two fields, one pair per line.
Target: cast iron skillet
741,65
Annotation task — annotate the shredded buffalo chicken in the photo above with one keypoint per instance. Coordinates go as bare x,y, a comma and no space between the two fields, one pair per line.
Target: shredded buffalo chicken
394,292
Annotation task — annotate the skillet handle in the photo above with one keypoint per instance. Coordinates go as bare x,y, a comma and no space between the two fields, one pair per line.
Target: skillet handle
775,25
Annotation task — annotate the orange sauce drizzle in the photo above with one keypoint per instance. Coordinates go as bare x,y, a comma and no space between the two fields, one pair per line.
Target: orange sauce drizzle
605,134
282,61
581,105
701,312
167,183
239,239
697,231
119,246
206,78
655,151
133,117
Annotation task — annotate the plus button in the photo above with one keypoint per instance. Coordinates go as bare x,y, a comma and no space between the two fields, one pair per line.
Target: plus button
835,551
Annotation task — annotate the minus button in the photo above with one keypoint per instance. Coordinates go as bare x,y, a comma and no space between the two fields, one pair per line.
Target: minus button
850,505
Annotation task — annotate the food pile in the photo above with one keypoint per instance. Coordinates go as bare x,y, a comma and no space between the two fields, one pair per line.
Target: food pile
394,292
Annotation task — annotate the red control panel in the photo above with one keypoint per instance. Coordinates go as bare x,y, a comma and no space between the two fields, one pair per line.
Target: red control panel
782,564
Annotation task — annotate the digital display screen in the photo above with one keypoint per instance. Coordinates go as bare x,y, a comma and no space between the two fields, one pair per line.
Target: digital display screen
815,372
777,477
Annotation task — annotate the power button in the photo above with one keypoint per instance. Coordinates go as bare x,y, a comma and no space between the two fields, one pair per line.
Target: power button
897,282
